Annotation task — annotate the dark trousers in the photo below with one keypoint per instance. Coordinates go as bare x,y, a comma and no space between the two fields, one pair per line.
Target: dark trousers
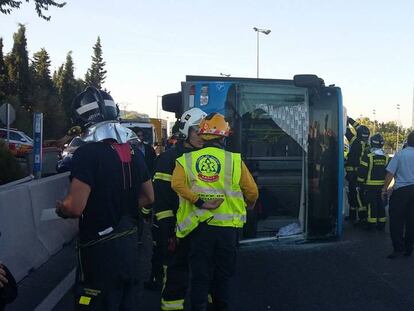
375,207
402,216
159,252
212,260
107,276
176,277
352,195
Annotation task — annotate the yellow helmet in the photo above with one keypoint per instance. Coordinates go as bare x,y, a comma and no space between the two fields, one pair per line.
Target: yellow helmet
213,126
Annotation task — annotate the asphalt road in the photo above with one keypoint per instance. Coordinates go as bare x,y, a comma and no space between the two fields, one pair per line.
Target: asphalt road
352,274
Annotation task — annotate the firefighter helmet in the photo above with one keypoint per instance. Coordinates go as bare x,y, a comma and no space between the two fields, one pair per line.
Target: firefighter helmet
363,132
376,141
214,126
190,118
93,106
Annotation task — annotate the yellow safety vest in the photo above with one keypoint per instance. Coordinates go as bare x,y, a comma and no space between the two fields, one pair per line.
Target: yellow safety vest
212,173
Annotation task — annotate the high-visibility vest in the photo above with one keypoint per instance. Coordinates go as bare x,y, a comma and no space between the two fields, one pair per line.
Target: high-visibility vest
212,173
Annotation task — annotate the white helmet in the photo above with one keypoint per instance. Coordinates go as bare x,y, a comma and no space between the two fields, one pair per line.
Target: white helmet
190,118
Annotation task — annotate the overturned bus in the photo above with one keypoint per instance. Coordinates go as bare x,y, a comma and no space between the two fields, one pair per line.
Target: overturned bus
290,135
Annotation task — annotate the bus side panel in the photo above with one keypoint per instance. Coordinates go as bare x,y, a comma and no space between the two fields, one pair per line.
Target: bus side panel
209,96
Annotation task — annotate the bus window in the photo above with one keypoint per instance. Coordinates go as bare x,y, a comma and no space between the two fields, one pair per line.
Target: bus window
271,130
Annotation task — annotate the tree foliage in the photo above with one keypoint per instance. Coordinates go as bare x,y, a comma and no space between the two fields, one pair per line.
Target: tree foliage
45,97
67,85
28,85
391,131
7,6
4,80
96,75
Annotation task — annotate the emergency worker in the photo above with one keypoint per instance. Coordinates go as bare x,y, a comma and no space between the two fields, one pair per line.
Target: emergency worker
147,150
215,187
357,148
371,178
166,251
401,207
109,182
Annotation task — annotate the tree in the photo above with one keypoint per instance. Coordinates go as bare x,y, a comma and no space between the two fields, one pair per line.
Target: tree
4,80
20,87
41,66
18,66
95,75
68,87
7,6
45,98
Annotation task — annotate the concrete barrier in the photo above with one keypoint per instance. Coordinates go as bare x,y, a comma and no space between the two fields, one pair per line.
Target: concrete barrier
27,241
44,193
20,248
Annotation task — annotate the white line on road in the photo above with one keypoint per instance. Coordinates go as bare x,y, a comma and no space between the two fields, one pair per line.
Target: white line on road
57,293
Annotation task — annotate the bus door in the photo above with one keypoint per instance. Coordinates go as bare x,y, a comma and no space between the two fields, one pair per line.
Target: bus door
325,164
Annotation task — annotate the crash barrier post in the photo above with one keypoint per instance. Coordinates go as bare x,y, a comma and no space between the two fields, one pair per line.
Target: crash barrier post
28,238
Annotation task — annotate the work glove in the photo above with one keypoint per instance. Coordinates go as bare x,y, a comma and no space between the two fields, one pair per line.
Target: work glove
74,131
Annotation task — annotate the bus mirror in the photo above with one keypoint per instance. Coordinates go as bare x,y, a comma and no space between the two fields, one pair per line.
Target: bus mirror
309,81
173,103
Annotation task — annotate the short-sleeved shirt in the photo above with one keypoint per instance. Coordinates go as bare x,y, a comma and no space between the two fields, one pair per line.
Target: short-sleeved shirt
402,167
114,186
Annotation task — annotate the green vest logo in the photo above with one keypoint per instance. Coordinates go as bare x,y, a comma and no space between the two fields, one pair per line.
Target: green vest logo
208,168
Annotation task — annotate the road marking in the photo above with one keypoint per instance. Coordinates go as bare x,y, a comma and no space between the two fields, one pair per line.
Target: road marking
57,293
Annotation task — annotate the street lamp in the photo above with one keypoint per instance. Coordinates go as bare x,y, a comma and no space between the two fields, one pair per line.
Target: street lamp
374,113
266,32
158,112
225,74
398,126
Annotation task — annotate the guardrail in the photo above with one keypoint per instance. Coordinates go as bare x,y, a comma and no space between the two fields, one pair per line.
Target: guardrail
27,239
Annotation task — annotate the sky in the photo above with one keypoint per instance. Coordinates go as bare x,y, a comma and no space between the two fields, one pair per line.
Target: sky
364,47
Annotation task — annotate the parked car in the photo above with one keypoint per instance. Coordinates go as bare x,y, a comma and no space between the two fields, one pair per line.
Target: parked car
72,146
20,143
63,164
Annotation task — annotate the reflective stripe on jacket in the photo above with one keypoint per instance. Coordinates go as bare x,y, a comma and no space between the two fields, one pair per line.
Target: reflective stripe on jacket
212,173
371,170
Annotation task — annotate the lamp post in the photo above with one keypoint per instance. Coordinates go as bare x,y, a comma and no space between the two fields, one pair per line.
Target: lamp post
225,74
158,109
374,113
266,32
398,126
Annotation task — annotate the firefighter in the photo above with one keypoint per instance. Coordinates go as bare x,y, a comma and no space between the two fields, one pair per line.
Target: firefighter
166,252
357,148
109,182
215,187
371,178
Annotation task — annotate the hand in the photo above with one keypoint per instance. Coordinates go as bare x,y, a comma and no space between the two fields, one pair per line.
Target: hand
3,279
212,204
74,131
384,194
172,243
59,207
251,206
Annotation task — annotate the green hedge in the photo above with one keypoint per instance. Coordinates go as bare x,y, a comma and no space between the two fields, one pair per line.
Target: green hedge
9,168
